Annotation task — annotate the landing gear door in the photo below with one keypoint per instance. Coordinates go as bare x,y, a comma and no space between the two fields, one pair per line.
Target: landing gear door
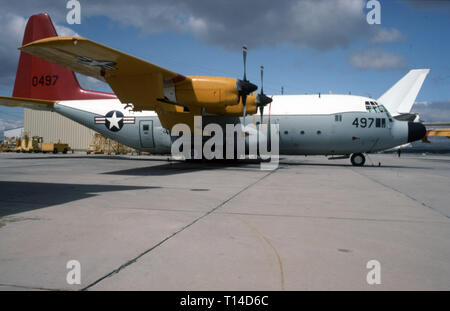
146,133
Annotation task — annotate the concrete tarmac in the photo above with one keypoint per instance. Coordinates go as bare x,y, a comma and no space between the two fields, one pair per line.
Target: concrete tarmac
144,223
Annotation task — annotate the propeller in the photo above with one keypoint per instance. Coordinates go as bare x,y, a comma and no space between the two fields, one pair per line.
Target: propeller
244,87
262,99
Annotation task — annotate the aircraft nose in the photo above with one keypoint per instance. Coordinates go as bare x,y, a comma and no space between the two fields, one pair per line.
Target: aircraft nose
416,131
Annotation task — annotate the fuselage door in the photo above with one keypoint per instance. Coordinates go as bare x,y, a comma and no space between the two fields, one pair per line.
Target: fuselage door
146,133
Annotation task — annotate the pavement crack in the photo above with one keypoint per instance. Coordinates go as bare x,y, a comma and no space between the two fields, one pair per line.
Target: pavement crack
399,191
28,287
128,263
334,218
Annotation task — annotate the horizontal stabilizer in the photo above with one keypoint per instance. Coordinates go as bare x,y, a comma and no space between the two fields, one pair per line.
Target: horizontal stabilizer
37,104
411,117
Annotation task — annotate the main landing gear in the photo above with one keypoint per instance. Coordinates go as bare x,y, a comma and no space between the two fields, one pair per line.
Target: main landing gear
358,159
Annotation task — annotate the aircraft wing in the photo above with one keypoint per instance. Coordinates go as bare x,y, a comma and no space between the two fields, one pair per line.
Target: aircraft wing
439,132
133,80
27,103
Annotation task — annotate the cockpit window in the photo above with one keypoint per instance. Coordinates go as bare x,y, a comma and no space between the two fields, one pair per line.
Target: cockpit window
374,107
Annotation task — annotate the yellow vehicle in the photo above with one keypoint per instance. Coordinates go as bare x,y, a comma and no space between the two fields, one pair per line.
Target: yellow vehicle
16,147
101,144
97,146
3,146
55,148
36,144
9,144
24,144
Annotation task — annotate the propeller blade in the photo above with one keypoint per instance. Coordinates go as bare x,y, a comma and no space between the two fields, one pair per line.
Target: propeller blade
269,139
262,81
244,87
261,111
244,113
244,54
261,95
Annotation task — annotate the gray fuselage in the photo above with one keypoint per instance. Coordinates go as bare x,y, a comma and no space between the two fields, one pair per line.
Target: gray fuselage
334,134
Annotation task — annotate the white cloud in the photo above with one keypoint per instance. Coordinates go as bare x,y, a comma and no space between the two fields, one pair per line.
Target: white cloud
382,35
326,24
64,31
433,111
319,24
377,60
424,103
13,27
10,124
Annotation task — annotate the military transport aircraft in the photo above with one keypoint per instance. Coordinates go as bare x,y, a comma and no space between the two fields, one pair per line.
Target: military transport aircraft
150,100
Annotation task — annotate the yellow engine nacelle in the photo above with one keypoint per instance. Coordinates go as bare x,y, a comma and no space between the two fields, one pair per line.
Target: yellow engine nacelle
216,95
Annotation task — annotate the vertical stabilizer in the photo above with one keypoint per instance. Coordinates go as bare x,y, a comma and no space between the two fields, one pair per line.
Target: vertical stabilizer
39,79
401,97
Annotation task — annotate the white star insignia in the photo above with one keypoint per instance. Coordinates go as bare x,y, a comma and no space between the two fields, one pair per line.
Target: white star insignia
114,121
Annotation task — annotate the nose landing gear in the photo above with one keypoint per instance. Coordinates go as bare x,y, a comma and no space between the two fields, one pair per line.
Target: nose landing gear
358,159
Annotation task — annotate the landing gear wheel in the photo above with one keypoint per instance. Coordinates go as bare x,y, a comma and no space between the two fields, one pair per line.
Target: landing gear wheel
358,159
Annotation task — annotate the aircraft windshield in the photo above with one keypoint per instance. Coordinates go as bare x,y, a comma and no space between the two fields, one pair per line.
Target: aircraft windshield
374,107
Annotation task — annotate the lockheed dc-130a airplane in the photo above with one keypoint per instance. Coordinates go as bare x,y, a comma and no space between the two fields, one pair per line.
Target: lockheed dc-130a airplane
149,100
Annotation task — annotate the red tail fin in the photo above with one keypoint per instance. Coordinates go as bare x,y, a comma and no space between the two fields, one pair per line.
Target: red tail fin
39,79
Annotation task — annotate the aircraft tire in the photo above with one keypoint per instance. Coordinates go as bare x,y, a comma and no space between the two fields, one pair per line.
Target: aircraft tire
358,159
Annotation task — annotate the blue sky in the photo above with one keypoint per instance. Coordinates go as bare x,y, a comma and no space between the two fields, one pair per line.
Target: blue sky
302,58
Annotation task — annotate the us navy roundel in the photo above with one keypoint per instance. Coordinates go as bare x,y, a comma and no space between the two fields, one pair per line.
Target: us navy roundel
114,120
